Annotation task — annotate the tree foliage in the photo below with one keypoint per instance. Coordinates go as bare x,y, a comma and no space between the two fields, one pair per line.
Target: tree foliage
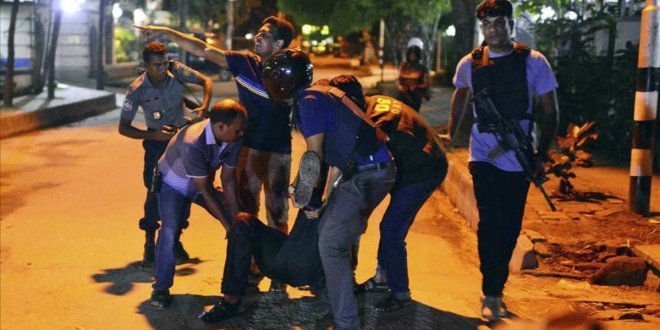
347,16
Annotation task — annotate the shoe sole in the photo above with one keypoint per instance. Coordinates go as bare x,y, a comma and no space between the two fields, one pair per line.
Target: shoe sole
308,175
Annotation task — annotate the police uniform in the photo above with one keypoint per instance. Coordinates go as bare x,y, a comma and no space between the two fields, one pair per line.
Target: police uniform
161,106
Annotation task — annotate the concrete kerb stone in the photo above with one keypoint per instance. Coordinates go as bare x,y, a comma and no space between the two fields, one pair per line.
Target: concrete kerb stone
70,104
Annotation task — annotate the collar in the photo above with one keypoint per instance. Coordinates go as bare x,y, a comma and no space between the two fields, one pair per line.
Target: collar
208,133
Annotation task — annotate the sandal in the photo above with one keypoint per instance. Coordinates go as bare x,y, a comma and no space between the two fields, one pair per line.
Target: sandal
221,311
392,303
160,299
371,285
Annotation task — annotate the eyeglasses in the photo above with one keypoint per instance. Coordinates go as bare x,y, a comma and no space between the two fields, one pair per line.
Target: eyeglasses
497,24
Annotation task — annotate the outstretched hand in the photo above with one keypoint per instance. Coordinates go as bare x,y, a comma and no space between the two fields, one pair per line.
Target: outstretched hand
150,32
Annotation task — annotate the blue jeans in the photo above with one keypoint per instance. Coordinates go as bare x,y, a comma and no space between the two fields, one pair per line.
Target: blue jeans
343,221
501,198
405,202
174,209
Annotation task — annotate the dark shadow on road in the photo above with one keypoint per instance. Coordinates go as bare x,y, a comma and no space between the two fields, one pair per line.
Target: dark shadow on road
122,279
266,311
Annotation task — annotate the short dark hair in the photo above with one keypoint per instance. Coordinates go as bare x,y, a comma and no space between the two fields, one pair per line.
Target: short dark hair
153,48
225,111
283,29
494,8
351,86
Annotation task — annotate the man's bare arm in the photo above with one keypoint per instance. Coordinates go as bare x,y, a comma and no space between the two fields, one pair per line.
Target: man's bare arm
207,84
230,188
548,127
127,129
213,204
191,44
458,106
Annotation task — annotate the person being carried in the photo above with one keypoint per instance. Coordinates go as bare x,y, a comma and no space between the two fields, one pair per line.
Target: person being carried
185,175
421,167
511,75
159,92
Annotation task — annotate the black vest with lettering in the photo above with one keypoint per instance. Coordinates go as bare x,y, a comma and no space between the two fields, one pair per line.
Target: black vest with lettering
506,80
351,138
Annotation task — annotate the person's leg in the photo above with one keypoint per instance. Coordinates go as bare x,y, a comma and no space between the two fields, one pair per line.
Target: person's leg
342,222
248,236
149,223
250,171
500,195
405,203
276,183
172,208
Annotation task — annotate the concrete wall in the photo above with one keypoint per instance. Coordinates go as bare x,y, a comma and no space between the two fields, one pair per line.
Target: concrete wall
73,60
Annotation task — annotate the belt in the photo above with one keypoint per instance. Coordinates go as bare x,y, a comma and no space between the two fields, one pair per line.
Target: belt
374,166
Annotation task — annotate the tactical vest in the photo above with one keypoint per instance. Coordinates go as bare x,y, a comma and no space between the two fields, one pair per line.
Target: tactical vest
506,80
352,137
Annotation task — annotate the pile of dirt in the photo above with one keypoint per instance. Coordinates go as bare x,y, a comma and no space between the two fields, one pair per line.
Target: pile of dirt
588,235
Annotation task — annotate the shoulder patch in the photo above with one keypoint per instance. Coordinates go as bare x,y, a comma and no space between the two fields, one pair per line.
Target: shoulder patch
137,83
127,106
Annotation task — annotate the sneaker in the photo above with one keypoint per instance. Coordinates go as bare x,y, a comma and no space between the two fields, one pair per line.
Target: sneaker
277,287
370,285
391,304
180,254
221,311
308,175
160,299
492,308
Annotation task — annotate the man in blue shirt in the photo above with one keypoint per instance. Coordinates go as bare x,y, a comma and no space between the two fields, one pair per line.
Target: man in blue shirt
187,170
362,170
266,158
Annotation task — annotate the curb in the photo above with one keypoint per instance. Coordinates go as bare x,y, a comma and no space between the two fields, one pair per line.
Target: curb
70,105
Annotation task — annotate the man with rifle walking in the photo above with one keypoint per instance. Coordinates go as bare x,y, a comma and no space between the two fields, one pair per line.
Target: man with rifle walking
510,76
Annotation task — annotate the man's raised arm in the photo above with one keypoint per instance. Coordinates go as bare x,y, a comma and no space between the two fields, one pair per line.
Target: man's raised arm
190,44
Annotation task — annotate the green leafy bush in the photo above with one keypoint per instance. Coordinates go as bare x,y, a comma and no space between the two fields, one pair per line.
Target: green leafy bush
125,44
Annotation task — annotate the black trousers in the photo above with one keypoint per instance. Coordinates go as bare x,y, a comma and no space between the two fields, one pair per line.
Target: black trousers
246,240
501,198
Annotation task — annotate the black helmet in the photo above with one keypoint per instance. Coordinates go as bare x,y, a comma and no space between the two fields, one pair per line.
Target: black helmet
285,73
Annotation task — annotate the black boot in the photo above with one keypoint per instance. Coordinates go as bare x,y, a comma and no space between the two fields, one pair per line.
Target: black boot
180,254
149,247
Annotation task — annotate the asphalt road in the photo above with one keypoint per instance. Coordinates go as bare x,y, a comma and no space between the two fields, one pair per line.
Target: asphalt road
70,248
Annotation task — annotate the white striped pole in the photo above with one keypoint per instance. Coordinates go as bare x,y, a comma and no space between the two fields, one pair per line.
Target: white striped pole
646,109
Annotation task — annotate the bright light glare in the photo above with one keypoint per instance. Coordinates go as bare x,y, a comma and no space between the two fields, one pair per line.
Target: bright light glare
451,31
546,13
71,6
116,11
249,36
571,15
139,16
306,29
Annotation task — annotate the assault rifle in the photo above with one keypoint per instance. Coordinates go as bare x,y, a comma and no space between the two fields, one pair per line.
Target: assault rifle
510,136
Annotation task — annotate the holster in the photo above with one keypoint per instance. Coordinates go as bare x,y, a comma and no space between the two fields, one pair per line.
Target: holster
156,181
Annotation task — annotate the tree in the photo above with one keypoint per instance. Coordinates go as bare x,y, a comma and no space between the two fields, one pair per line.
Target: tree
463,12
9,77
